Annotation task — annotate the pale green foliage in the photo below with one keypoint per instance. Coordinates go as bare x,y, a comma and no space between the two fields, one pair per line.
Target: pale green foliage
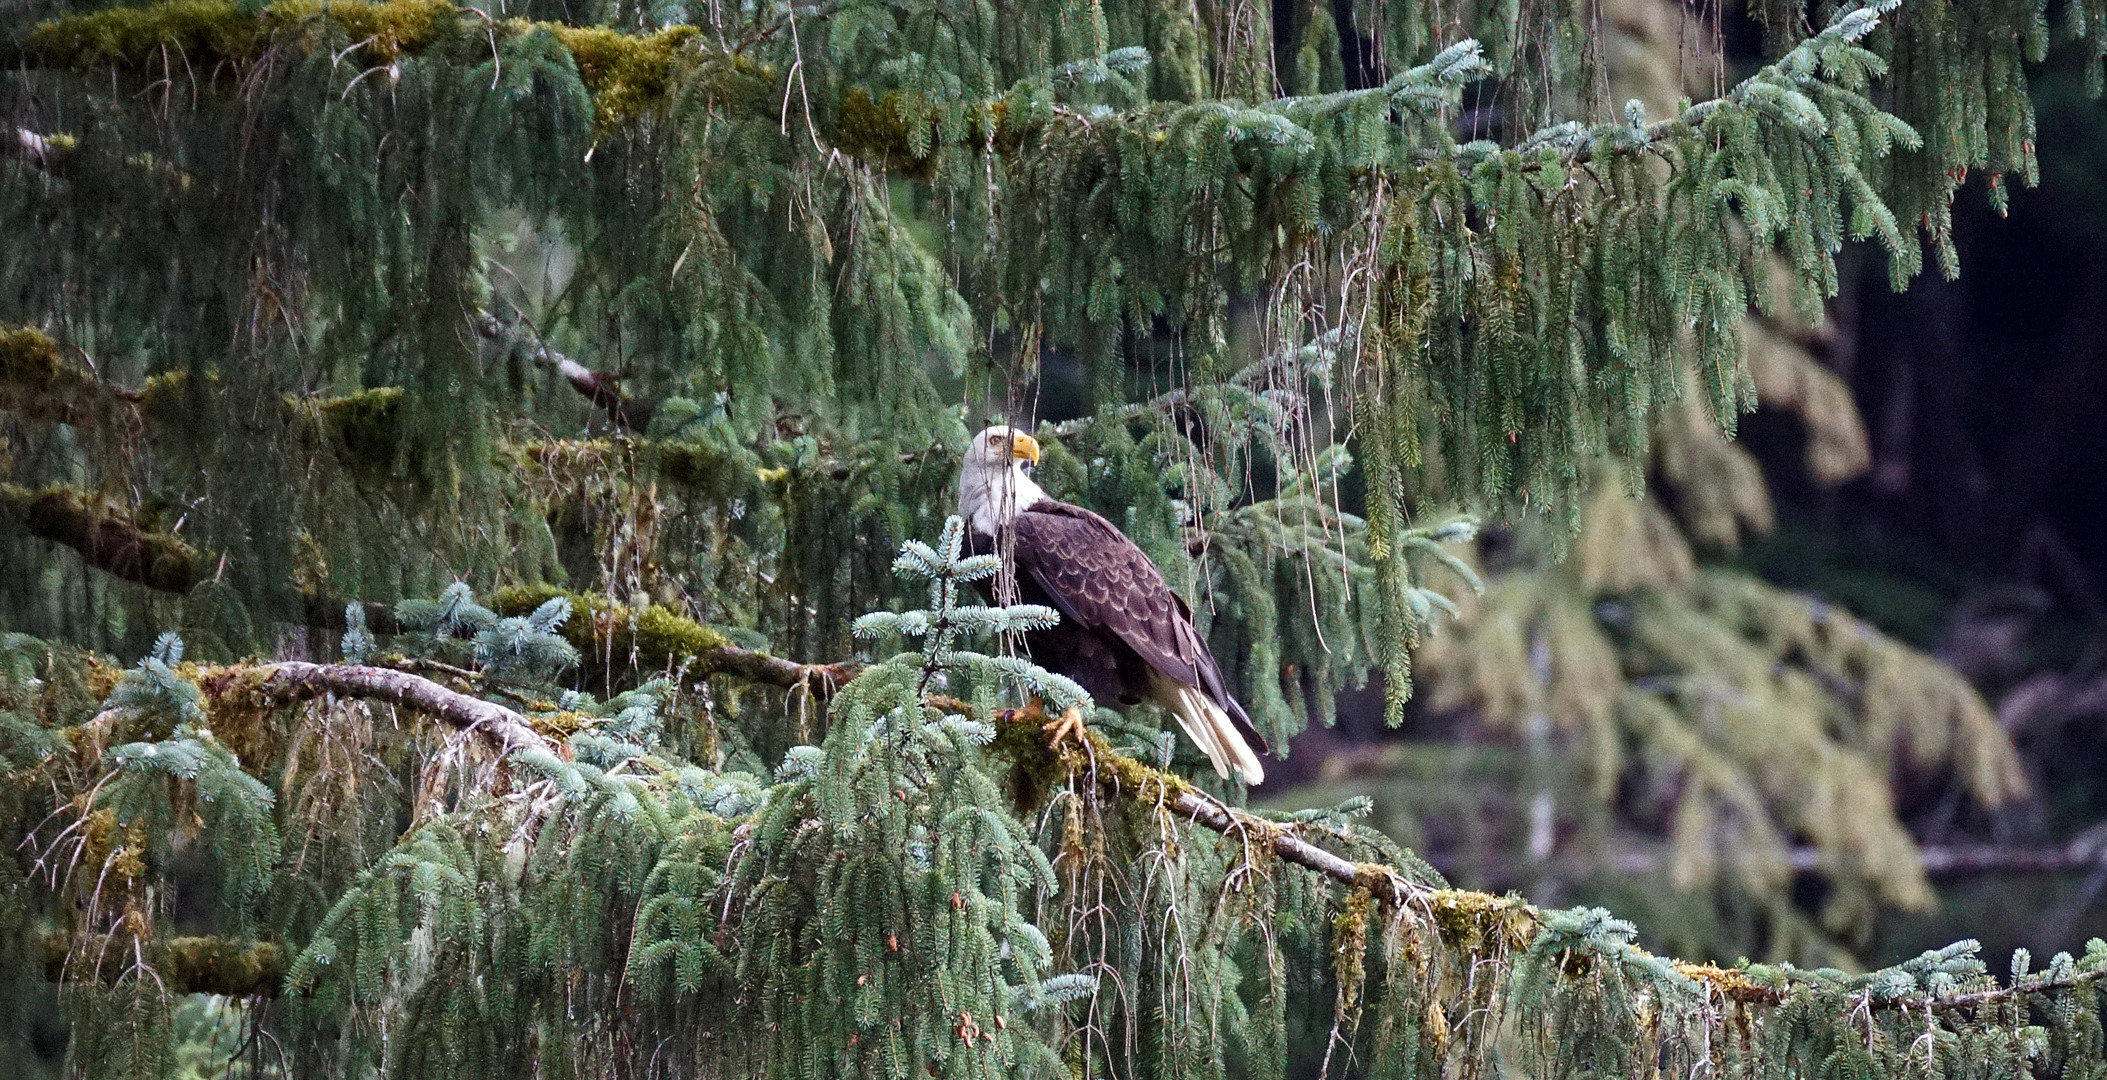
912,947
942,623
231,808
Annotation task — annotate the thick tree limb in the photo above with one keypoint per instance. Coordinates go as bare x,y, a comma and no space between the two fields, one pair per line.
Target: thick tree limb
113,541
107,539
1491,916
602,388
294,679
222,966
821,680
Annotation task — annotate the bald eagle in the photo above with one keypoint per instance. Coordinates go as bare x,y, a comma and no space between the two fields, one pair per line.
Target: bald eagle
1124,635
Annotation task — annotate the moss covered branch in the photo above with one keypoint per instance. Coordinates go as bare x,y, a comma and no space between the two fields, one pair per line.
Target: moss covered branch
624,646
1472,921
296,680
1474,918
627,74
185,965
107,538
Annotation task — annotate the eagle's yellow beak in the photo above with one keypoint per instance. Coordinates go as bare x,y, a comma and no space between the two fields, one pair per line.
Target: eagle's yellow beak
1024,446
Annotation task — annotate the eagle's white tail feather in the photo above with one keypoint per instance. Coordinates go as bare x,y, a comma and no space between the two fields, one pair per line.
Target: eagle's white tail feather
1210,728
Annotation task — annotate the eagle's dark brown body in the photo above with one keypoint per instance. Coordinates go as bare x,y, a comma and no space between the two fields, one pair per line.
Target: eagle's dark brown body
1122,627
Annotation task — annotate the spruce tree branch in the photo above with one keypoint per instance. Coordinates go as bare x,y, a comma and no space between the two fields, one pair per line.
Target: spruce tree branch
1316,356
641,70
113,541
1160,403
1486,915
1116,772
622,646
821,680
602,388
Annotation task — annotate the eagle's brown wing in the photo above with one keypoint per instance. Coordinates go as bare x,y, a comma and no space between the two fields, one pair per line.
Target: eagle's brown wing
1098,579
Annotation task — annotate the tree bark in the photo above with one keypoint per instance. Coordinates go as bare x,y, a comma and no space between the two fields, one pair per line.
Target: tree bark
297,679
107,540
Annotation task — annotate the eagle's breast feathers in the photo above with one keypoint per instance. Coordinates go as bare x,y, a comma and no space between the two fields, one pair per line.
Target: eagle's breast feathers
1107,590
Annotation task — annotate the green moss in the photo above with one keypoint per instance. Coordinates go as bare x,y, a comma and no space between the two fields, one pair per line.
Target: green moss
240,710
628,74
872,129
1350,948
207,965
163,396
208,31
36,381
875,129
369,422
106,535
185,965
395,27
28,357
621,645
1035,771
1095,753
1470,920
198,30
708,470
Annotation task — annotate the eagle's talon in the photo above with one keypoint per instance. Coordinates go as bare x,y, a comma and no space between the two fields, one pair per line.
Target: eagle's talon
1067,726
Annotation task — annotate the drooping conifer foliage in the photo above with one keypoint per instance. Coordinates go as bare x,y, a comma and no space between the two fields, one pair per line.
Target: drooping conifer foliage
484,433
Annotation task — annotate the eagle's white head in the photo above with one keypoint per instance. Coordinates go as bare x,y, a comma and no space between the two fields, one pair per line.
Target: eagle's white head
996,483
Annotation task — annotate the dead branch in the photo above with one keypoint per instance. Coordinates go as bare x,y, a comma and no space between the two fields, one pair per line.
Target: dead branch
602,388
